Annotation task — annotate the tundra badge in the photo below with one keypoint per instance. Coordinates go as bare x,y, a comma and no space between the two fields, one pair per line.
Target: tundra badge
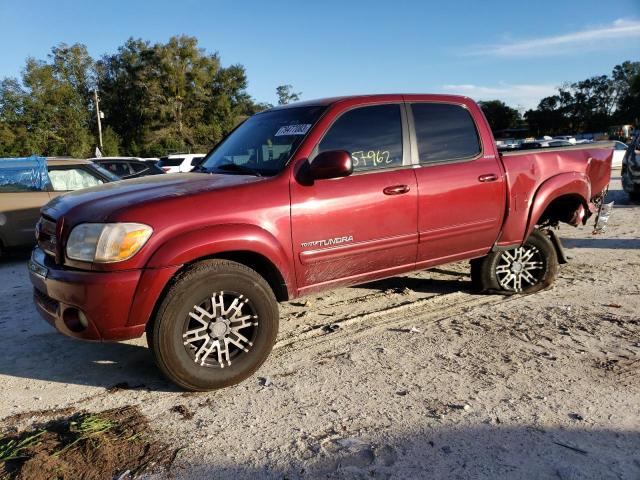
328,242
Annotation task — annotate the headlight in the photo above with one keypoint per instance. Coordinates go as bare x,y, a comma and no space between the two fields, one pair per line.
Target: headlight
107,242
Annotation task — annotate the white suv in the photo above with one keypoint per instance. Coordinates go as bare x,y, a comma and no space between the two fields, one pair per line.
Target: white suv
180,162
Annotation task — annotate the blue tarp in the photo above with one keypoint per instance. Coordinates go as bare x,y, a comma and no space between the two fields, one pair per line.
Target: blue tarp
27,174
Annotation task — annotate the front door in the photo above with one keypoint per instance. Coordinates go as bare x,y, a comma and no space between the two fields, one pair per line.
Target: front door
461,185
364,226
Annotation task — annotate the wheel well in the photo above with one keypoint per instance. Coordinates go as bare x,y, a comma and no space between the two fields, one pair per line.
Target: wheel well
255,261
260,264
565,208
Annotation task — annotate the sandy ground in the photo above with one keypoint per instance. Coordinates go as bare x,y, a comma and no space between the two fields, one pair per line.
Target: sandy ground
419,378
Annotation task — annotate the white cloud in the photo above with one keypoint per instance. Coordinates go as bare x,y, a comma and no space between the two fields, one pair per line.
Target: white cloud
583,40
514,95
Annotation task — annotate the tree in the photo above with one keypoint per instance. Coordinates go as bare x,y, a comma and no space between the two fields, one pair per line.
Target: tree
286,94
110,142
626,80
591,105
174,96
48,112
499,115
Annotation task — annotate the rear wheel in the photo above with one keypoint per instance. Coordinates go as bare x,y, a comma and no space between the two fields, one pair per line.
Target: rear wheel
215,327
526,269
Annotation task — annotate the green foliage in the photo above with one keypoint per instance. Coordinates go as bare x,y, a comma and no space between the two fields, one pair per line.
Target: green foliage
286,94
166,97
499,115
591,105
170,97
110,142
156,99
48,112
11,449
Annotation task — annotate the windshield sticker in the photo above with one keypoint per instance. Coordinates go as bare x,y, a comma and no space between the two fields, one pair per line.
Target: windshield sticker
300,129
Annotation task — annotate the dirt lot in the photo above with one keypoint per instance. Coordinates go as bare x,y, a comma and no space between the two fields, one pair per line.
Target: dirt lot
404,378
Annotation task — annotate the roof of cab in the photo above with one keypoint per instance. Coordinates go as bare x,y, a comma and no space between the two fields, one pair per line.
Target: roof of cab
375,97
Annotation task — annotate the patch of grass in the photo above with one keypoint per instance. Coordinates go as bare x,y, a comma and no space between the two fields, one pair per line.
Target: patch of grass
84,427
10,448
84,445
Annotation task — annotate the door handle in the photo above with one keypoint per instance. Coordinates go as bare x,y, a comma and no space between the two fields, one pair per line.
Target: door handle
488,177
396,190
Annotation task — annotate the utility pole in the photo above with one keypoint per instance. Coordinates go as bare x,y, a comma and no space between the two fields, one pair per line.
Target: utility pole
98,115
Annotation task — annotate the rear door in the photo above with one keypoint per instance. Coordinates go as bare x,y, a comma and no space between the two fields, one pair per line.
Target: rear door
461,186
360,227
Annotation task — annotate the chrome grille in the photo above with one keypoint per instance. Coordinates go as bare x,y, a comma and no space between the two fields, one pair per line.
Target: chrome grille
46,235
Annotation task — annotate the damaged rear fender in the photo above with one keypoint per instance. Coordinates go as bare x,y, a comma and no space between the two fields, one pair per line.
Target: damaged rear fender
563,198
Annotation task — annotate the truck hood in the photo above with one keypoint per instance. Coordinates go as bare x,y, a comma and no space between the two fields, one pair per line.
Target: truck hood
99,202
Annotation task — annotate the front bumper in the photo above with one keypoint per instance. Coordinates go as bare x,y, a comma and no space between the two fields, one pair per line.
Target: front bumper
113,305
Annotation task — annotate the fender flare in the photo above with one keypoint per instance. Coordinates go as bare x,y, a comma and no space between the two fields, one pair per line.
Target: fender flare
210,241
564,184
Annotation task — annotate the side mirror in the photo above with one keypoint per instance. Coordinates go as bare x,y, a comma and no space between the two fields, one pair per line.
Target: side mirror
331,164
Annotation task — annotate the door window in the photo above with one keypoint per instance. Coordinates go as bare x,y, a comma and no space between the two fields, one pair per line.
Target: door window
372,135
72,179
138,167
444,132
121,169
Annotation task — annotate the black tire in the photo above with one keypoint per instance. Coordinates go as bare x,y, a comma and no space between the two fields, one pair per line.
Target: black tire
489,274
199,286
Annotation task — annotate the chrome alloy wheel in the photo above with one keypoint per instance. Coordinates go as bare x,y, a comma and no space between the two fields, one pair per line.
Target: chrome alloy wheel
219,329
520,268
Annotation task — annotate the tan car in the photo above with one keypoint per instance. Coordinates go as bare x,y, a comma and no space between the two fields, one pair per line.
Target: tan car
24,188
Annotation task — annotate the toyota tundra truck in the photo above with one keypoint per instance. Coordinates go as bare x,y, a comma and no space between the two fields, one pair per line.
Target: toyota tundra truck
299,199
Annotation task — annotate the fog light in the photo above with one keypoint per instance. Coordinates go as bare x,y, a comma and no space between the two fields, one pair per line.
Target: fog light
75,320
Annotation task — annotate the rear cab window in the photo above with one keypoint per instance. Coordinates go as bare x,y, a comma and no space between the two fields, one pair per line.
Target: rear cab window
120,169
197,161
138,167
170,162
444,133
371,134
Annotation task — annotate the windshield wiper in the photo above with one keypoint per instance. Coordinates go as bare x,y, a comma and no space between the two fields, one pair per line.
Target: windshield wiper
234,167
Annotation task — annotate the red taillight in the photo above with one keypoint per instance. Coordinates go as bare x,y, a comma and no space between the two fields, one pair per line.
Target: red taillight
166,169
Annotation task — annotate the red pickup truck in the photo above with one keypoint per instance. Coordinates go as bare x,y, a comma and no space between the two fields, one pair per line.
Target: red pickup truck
299,199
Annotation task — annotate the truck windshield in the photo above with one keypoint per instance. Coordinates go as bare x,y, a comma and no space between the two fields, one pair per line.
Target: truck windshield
264,143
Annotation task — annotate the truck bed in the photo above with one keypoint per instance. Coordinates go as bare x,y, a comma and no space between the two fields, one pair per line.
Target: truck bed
587,165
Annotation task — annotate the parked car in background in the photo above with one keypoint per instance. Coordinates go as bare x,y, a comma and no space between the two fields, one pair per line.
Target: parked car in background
180,162
26,184
559,143
619,150
630,171
508,144
567,138
534,144
128,167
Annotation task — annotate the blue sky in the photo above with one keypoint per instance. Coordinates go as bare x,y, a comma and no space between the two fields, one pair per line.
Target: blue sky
324,48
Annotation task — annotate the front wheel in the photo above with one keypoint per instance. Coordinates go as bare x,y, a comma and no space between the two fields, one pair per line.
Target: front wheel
215,327
526,269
